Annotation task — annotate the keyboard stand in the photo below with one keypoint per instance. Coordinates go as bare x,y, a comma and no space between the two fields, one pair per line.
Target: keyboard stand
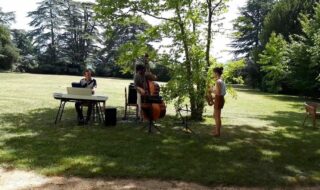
60,111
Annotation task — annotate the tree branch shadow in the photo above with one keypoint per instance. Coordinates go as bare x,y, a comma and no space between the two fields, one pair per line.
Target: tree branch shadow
245,155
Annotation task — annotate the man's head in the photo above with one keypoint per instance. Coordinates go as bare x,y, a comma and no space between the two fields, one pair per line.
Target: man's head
140,69
87,74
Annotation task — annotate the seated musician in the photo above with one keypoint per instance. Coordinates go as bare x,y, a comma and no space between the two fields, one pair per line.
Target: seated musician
148,73
86,82
140,82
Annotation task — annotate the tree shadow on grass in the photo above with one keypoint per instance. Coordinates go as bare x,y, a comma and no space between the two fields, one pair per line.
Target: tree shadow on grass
245,155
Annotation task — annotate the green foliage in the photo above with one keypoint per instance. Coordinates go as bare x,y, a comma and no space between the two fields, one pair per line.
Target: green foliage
274,63
27,63
47,23
283,19
6,18
233,72
66,34
115,59
186,58
9,56
132,50
8,53
305,55
246,38
23,42
248,26
80,37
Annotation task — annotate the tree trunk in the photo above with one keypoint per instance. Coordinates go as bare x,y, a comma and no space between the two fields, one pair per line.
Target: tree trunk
52,48
209,33
191,91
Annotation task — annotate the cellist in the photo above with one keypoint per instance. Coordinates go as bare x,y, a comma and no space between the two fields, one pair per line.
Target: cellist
141,84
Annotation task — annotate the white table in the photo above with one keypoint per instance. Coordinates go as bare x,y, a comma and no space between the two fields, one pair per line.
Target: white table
64,98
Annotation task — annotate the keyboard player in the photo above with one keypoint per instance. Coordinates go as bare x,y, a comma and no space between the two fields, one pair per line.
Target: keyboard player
86,82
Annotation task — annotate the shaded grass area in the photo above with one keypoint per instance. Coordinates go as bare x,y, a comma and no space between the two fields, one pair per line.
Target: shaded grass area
263,143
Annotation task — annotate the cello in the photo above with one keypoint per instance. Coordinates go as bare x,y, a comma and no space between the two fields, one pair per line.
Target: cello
152,105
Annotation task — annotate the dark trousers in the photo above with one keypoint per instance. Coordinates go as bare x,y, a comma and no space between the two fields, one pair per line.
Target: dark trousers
79,105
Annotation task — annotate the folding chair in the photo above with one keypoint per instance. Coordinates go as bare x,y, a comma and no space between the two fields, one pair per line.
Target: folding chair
130,101
311,111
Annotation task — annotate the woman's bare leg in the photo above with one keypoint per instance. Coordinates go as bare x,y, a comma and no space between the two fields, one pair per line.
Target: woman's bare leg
217,118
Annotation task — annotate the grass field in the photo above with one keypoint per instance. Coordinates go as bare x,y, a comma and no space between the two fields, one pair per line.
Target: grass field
263,143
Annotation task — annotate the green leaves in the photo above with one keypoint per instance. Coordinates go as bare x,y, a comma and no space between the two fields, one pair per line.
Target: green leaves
283,19
274,63
305,55
8,53
6,18
233,72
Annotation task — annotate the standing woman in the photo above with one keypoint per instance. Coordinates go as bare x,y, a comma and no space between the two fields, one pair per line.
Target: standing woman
219,93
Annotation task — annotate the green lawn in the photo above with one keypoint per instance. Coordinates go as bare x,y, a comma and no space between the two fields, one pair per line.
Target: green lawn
262,143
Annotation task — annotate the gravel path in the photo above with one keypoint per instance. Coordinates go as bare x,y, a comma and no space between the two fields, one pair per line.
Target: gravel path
27,180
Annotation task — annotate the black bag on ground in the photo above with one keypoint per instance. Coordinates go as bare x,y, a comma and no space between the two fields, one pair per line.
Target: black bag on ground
111,116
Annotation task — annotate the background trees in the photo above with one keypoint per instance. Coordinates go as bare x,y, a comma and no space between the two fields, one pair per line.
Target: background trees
8,53
278,41
66,34
274,66
47,22
246,38
23,42
284,18
304,55
80,37
6,18
278,53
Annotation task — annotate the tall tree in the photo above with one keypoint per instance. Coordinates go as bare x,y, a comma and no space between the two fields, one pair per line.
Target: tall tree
8,53
116,37
214,8
80,33
23,42
246,38
274,63
248,26
28,61
47,21
6,18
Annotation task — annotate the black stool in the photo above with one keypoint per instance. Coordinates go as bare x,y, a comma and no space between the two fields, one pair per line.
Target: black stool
111,116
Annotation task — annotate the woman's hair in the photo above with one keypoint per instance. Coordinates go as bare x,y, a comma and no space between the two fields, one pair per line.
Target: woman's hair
140,67
218,70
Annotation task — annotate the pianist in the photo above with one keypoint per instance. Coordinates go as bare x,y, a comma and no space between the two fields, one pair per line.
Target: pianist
86,82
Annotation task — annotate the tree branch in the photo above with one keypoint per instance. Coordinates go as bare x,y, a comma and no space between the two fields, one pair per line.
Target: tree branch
216,6
155,16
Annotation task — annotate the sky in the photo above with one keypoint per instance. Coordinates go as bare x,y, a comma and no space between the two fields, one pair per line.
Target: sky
220,49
